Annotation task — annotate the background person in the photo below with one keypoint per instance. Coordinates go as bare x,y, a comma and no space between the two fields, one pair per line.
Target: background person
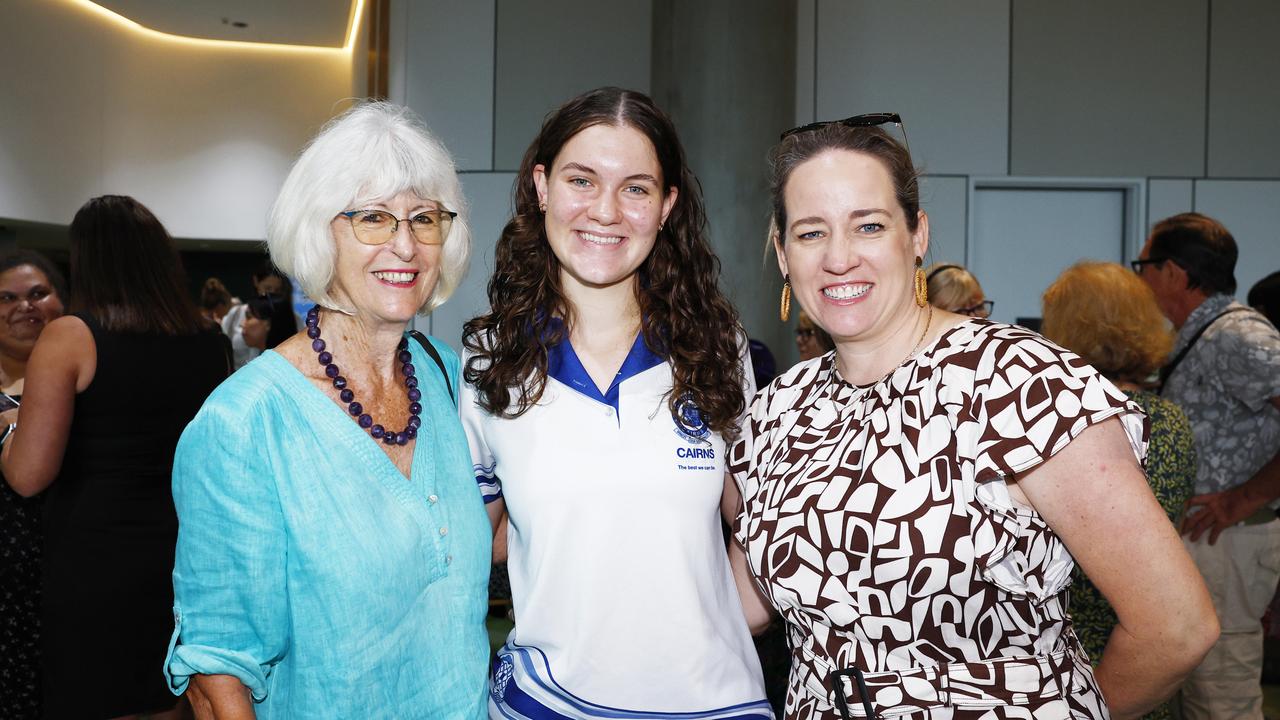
951,462
268,321
955,289
329,564
1109,317
215,301
1264,297
601,388
267,280
108,390
32,294
1225,374
811,340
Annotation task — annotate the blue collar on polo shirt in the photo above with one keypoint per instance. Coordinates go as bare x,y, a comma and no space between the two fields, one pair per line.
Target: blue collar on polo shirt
563,365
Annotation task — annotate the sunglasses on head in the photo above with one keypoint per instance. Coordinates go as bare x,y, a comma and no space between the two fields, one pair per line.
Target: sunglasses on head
857,121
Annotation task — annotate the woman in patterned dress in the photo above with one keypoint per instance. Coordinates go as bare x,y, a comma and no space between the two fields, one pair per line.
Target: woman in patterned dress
1109,316
909,500
31,293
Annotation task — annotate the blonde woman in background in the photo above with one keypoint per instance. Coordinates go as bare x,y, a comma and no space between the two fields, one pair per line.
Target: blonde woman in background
955,289
811,340
1108,316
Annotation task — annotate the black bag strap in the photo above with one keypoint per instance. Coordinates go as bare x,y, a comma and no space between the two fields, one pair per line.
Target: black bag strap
1167,371
435,355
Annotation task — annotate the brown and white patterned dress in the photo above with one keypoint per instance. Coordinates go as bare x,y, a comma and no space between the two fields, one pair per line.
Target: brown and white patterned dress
878,523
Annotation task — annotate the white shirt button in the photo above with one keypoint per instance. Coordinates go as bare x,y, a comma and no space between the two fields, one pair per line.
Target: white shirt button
444,531
432,499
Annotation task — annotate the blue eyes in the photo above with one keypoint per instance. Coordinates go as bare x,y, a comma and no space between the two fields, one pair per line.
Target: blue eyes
864,229
581,182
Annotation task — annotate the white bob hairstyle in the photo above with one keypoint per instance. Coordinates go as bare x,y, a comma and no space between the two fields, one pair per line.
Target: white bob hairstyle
373,151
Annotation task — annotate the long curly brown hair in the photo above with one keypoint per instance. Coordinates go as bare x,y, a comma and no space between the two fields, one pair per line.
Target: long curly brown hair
684,316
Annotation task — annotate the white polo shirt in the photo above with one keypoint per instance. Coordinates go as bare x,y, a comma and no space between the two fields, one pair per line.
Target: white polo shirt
624,601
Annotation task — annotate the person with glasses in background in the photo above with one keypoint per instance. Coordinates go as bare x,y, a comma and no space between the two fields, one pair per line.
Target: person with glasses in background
1225,374
913,501
811,340
333,554
954,289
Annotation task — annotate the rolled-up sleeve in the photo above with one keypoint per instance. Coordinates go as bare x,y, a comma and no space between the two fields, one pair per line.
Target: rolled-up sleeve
230,593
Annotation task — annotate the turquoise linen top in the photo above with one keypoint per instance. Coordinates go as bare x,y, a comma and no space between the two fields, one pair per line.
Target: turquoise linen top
308,567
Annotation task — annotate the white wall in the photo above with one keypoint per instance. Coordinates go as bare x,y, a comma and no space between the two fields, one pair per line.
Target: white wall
203,136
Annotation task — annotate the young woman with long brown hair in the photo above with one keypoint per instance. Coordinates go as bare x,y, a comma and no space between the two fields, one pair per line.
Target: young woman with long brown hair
602,387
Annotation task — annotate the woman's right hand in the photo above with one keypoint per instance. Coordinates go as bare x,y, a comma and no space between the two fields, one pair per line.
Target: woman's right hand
219,697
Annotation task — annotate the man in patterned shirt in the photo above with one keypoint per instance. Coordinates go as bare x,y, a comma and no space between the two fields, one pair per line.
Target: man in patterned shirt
1225,373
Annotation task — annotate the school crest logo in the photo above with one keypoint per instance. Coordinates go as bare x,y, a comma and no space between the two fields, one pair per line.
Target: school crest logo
502,676
689,422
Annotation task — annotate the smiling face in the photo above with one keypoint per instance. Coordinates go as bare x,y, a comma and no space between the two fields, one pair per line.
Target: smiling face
28,302
387,283
605,200
847,247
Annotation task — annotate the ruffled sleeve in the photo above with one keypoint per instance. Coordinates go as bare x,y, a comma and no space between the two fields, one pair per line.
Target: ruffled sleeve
1030,398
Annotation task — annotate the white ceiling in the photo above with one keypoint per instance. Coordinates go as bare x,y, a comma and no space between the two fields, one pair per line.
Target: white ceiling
322,23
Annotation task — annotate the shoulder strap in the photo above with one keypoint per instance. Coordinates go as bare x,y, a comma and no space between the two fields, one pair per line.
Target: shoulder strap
1167,371
435,355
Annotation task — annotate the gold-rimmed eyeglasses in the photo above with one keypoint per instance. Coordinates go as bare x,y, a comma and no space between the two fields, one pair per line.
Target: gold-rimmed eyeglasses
375,227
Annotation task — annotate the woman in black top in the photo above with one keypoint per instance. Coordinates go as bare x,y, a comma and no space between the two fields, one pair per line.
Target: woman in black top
109,390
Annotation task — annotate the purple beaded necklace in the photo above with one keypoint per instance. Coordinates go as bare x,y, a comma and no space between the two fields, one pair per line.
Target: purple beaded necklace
332,372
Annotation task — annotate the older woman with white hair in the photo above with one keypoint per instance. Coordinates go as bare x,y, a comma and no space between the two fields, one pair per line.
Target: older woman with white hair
329,564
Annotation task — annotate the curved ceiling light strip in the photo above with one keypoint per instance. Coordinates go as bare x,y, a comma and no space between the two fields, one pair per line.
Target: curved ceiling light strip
357,10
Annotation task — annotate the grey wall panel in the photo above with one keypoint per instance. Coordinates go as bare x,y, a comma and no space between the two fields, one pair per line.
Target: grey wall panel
946,201
490,198
942,66
806,62
552,50
1105,88
448,75
1023,238
1167,197
747,52
1244,96
1251,211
